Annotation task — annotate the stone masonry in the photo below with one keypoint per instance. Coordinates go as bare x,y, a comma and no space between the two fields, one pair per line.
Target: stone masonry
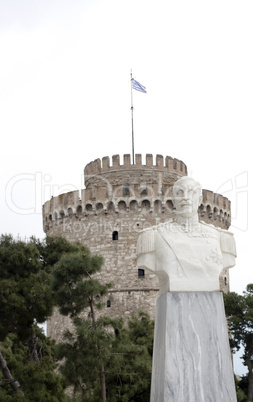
119,200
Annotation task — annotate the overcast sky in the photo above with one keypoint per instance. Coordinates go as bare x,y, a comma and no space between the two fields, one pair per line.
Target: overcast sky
65,99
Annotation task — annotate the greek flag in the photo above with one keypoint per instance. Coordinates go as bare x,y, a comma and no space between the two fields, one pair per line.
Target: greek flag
138,87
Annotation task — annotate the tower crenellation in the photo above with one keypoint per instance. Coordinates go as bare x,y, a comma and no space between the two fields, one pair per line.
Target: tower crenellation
168,163
125,186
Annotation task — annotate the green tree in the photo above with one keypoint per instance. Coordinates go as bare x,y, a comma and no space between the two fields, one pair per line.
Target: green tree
26,299
102,358
38,379
24,288
76,291
241,385
129,369
86,352
239,311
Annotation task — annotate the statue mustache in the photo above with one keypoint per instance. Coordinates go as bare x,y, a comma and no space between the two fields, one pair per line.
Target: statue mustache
184,202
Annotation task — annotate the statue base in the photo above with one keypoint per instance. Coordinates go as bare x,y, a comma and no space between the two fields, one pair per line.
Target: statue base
192,358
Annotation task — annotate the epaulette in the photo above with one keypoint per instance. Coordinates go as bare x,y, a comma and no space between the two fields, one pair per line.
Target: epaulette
227,242
146,240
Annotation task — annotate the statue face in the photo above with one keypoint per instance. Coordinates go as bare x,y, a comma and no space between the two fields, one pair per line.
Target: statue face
187,197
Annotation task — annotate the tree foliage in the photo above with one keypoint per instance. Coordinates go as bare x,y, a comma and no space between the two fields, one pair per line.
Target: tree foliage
26,356
38,380
102,357
124,350
86,351
24,287
129,369
76,291
73,285
239,311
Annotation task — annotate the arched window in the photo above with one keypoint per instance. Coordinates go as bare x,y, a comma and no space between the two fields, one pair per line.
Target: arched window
133,206
209,211
115,235
110,207
79,210
215,213
88,207
158,206
99,207
169,206
201,210
145,206
122,206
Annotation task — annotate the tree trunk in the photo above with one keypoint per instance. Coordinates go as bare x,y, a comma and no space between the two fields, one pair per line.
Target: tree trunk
7,375
102,369
92,311
250,376
32,343
102,383
250,386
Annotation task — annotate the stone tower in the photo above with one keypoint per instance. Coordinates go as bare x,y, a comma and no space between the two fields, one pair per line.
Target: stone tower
119,200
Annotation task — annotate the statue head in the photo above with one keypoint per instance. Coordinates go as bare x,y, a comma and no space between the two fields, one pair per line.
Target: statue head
187,195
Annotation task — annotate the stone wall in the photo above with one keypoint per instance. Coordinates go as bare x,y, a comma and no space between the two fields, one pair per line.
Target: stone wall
117,203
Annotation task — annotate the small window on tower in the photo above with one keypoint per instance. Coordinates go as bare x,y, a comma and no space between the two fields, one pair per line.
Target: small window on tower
160,191
108,303
126,189
141,273
115,235
144,191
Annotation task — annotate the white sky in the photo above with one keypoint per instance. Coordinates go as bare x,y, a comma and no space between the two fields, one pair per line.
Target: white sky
65,99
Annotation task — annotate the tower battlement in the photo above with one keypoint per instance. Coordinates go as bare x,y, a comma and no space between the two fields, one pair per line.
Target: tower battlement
167,163
135,189
215,209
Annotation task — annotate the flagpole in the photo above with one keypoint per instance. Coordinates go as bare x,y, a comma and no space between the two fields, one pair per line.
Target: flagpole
132,113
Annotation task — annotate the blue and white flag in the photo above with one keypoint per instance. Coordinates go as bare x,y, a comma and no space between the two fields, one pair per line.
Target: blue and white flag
138,87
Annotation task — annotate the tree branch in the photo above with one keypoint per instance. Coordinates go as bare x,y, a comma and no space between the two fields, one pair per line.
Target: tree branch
8,377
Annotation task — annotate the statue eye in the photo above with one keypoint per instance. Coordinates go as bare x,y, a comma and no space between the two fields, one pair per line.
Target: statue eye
180,193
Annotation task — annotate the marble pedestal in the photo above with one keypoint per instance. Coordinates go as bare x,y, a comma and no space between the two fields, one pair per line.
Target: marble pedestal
192,359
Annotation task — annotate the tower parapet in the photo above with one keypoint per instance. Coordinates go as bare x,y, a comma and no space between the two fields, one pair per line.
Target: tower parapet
168,164
139,188
215,209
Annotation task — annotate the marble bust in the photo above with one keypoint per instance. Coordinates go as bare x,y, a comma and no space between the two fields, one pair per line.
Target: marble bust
185,254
